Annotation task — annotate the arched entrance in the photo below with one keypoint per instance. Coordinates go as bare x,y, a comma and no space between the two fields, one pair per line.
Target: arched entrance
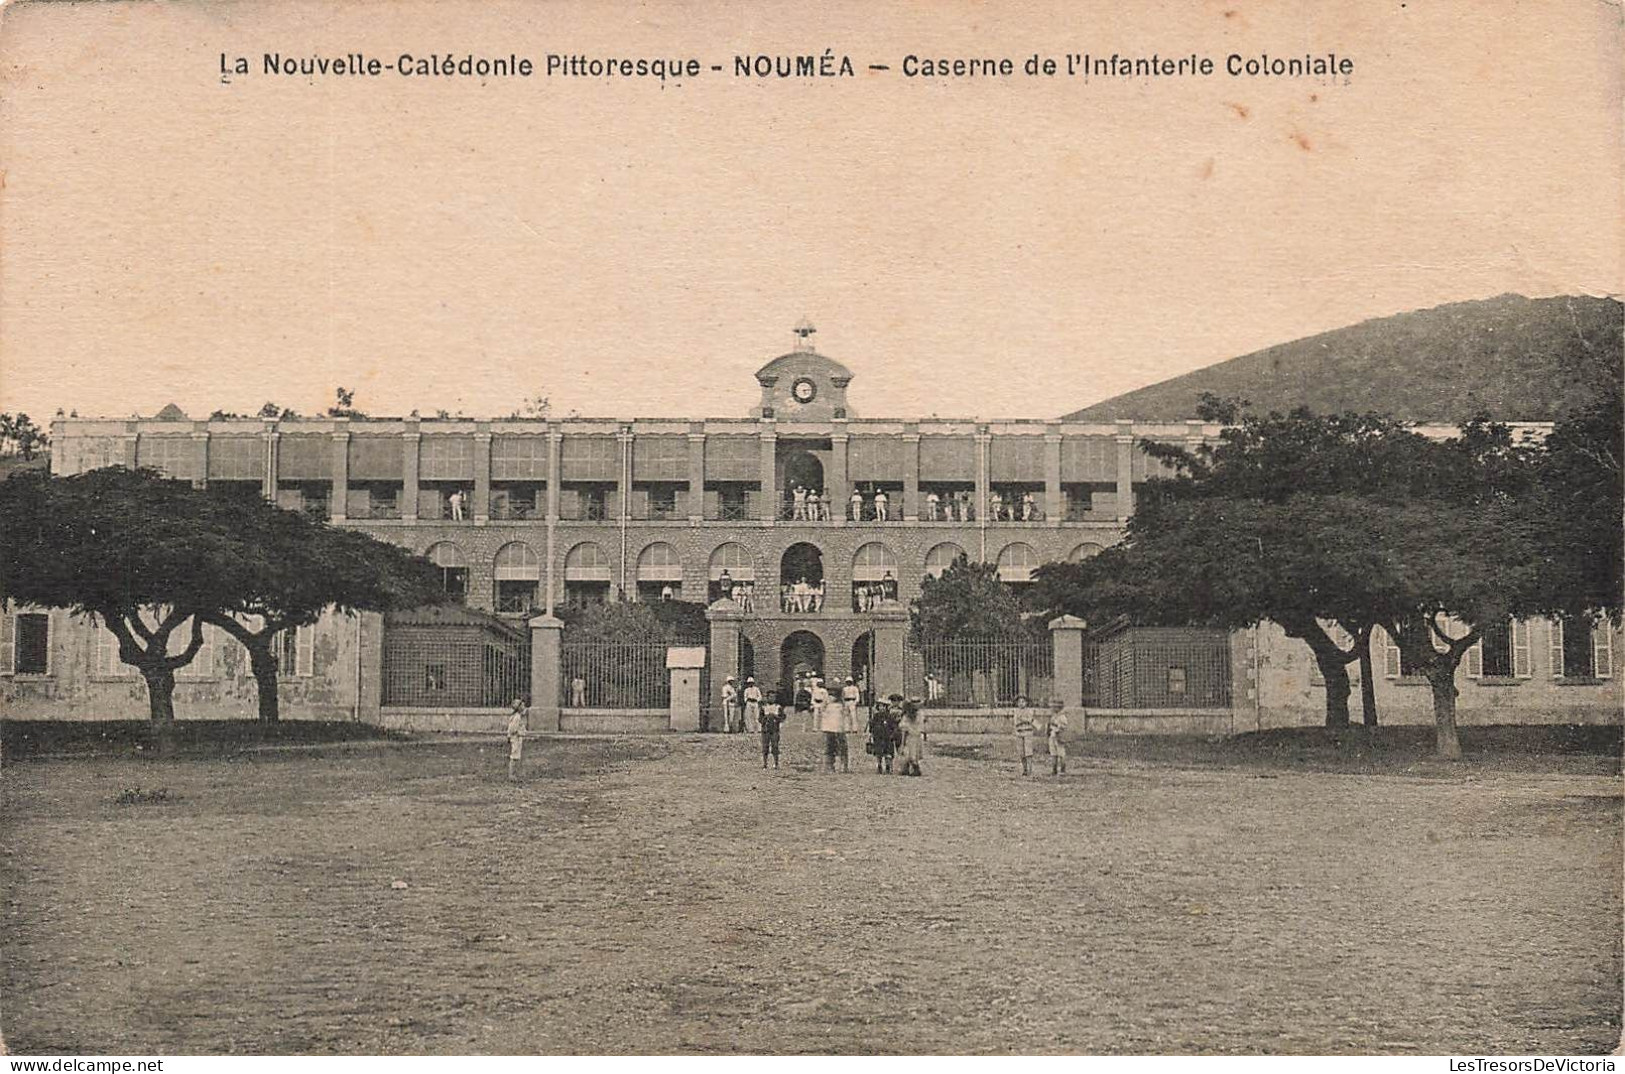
863,666
803,468
802,652
801,579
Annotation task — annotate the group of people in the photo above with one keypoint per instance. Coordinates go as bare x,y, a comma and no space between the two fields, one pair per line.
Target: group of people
1012,509
894,726
742,593
949,507
875,508
865,595
802,597
808,505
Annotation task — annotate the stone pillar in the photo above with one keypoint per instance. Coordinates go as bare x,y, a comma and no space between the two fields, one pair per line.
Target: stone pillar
769,477
836,483
409,472
685,665
132,454
482,477
339,494
1066,636
696,473
369,695
911,477
891,628
1054,500
200,455
984,476
726,620
550,585
273,449
546,636
1125,473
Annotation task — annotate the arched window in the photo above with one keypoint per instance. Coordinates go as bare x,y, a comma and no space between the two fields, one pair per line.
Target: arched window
873,562
941,557
453,568
735,559
517,571
586,562
1017,563
1085,551
660,563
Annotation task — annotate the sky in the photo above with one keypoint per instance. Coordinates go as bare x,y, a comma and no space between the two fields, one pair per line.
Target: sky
994,248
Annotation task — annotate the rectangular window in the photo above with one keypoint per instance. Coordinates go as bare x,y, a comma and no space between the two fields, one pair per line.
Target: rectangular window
519,458
1088,459
172,456
108,664
33,644
733,458
660,458
445,458
202,664
377,458
236,458
1176,680
1581,649
589,458
296,651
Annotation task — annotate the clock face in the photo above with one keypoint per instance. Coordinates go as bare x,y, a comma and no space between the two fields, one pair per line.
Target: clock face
804,390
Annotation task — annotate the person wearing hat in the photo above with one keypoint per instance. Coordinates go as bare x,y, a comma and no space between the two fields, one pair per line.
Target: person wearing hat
773,714
519,714
827,710
730,702
753,704
849,706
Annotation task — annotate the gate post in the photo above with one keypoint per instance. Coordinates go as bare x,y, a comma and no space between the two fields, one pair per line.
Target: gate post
685,665
726,618
546,633
890,626
1066,636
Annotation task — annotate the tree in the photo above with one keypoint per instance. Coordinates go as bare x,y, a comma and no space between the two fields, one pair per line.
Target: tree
967,603
150,557
126,546
344,405
19,436
297,568
1306,519
1582,499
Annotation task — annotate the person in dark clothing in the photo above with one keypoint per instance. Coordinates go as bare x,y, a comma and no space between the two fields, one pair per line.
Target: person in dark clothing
772,718
883,735
803,701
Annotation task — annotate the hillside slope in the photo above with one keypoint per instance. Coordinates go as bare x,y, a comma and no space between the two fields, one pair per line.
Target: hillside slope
1517,358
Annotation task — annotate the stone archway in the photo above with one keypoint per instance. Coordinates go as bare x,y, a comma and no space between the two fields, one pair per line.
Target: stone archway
802,651
803,468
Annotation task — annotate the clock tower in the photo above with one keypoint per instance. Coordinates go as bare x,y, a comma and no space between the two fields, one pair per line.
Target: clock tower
803,385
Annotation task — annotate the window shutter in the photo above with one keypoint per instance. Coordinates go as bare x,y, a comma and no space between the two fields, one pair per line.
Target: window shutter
1390,656
304,650
1475,660
1557,648
1520,649
8,643
1602,650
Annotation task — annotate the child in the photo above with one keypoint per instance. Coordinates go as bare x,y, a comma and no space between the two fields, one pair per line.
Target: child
516,737
882,736
1057,747
1026,728
772,717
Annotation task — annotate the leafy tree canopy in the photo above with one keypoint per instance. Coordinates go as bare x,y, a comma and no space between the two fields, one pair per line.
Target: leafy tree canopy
968,603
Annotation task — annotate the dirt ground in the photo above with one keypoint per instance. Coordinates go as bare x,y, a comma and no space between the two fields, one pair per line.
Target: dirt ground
667,895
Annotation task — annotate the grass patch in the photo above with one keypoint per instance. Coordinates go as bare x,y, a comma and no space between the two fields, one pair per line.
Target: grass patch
23,739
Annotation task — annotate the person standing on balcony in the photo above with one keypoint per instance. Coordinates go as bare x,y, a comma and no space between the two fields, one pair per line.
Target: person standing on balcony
881,504
798,499
931,503
455,501
997,502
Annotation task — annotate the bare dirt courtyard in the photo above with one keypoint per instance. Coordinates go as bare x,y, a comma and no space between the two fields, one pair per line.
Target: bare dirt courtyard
665,895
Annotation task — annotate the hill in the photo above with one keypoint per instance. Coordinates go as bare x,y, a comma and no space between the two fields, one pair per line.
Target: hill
1518,358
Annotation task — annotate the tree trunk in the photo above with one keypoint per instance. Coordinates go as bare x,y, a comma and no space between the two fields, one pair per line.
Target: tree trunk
1443,682
1336,674
1368,688
262,662
160,694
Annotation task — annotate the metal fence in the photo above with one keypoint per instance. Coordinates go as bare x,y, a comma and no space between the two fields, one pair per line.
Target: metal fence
454,665
1158,668
600,675
979,675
